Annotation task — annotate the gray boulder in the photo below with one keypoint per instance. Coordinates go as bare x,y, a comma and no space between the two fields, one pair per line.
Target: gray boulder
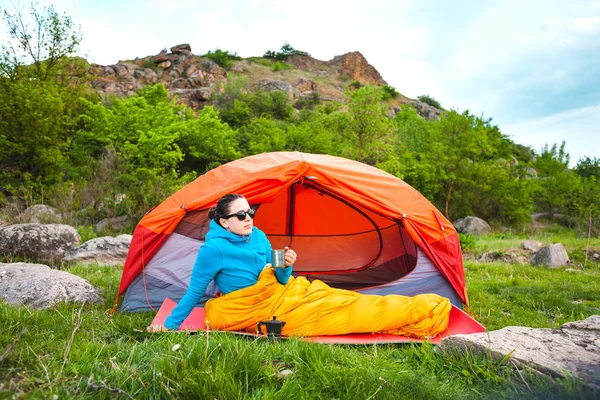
472,225
39,286
38,241
573,349
552,255
531,245
41,214
105,250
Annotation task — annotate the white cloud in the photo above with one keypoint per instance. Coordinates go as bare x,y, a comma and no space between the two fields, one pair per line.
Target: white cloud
579,128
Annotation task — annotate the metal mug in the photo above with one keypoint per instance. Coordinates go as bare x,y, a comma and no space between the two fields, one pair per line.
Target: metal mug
278,258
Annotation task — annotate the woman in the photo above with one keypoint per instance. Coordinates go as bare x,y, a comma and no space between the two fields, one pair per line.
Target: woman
234,254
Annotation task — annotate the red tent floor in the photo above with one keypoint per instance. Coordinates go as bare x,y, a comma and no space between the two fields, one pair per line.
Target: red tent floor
460,323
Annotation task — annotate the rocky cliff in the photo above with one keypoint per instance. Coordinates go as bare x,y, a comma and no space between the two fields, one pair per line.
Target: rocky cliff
193,78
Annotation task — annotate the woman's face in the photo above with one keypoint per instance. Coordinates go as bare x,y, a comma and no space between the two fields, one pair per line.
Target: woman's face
233,224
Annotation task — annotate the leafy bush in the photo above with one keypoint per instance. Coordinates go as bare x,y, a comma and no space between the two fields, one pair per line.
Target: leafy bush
280,65
222,57
308,102
389,92
430,100
467,241
149,63
356,85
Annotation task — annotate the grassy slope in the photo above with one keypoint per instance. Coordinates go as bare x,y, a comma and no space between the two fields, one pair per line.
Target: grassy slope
75,352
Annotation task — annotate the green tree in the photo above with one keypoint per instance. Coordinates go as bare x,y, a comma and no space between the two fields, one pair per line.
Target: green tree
559,186
207,142
40,87
42,44
261,135
366,130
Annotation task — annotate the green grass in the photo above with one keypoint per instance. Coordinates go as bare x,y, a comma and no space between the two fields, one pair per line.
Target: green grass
82,352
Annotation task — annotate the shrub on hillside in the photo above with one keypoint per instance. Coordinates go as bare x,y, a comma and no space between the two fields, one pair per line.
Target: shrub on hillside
430,100
389,92
222,57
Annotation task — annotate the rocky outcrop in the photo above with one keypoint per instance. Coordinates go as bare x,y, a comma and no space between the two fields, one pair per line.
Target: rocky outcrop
552,255
573,349
427,111
472,225
193,79
105,250
37,241
355,67
190,77
39,286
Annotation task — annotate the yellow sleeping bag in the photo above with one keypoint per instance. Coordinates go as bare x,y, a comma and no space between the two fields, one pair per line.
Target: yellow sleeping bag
315,309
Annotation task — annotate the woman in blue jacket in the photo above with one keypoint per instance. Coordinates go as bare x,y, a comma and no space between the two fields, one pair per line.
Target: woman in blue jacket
234,254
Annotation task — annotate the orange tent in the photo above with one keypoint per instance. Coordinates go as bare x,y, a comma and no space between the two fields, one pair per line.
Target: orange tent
352,225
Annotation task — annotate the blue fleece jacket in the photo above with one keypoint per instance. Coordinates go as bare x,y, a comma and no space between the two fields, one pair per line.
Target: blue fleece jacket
233,261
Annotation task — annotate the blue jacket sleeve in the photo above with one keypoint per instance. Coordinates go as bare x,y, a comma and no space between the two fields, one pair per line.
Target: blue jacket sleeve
208,264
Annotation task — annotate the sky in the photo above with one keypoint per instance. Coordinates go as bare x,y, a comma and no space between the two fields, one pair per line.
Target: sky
532,66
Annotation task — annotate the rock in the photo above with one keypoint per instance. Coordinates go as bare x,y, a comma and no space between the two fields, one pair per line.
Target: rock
108,71
552,255
160,57
39,286
41,214
124,69
38,241
507,257
181,48
115,223
106,250
472,225
572,349
146,74
164,64
274,86
307,63
355,67
237,68
305,85
530,173
426,111
532,245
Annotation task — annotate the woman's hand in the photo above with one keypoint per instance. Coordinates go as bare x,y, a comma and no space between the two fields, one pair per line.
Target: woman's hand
290,256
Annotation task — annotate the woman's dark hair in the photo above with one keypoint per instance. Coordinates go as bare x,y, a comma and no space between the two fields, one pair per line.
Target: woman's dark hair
222,207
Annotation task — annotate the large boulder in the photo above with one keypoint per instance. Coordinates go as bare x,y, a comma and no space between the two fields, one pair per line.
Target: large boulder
37,241
39,286
572,349
472,225
552,255
105,250
41,214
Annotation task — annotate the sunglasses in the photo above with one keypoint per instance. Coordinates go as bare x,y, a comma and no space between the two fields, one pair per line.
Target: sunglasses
241,215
